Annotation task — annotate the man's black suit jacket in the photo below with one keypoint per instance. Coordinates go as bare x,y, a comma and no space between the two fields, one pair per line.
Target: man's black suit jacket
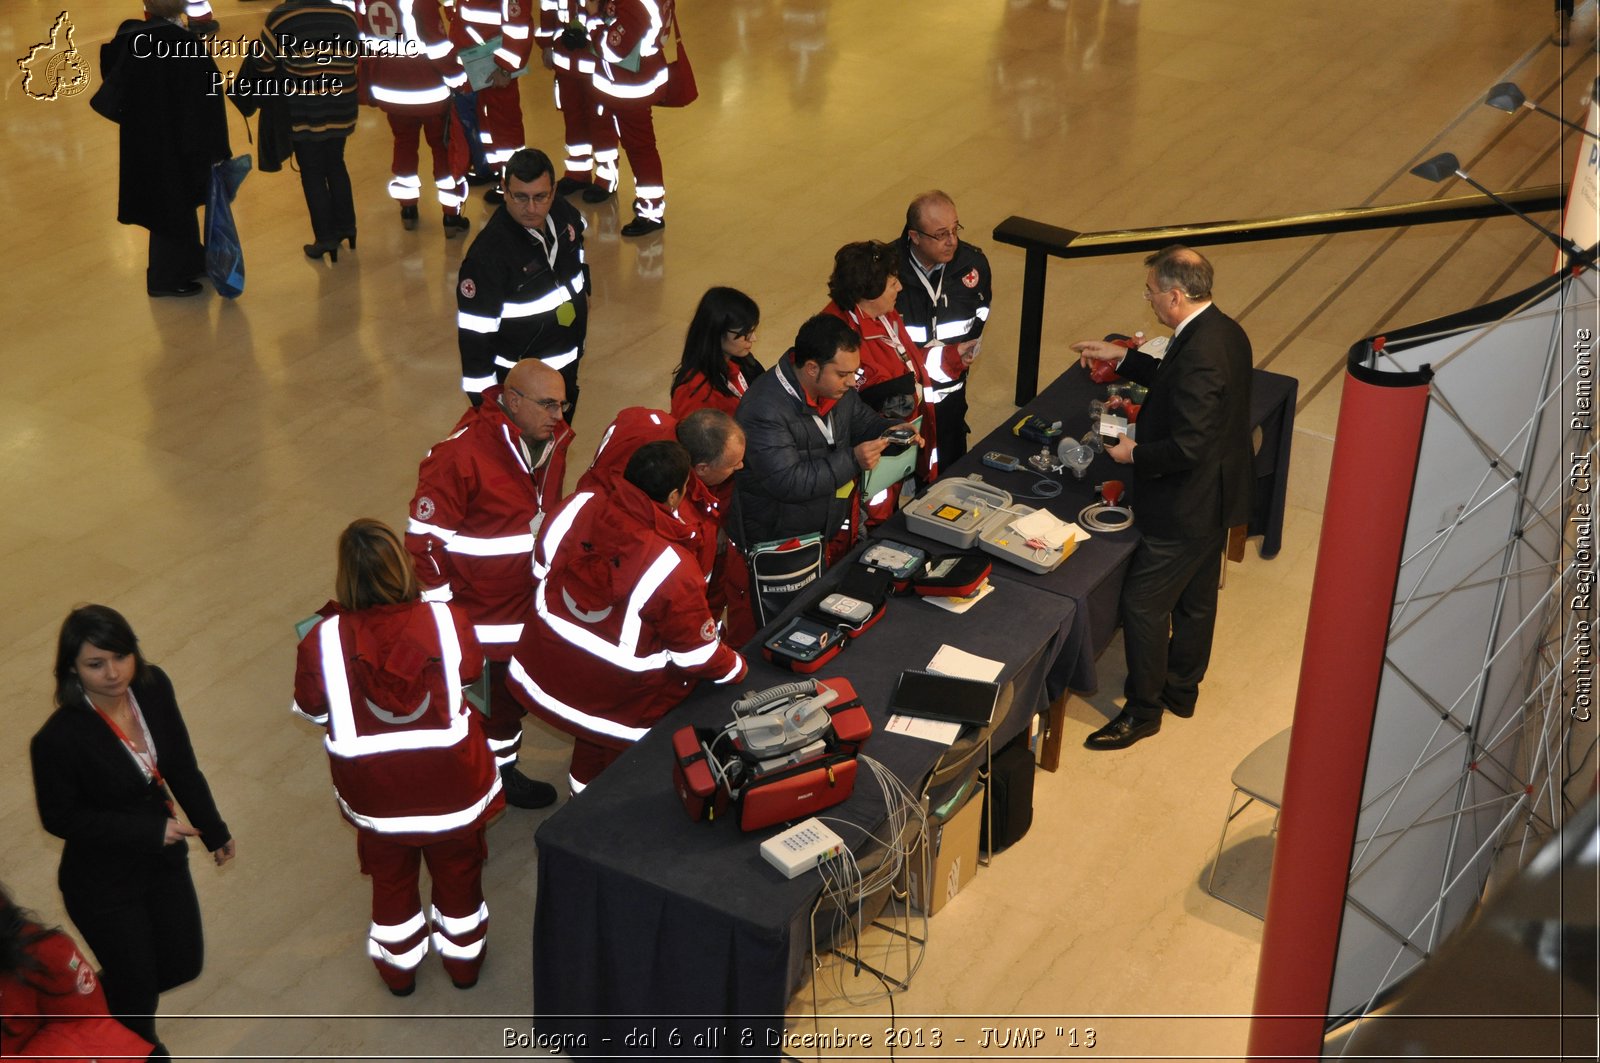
1192,467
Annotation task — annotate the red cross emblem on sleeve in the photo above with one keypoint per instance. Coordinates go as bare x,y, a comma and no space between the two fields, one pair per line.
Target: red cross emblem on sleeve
383,21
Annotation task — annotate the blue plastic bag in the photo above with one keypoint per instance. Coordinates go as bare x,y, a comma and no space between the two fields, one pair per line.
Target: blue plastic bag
224,256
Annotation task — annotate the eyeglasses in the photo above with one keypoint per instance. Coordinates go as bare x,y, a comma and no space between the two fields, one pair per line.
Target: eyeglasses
943,236
1150,294
743,334
550,406
523,199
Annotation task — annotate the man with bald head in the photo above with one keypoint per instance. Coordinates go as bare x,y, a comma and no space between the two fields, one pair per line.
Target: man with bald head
945,292
1191,473
482,493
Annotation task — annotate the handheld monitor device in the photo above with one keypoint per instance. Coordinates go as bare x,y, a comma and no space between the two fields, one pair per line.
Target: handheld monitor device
932,696
899,437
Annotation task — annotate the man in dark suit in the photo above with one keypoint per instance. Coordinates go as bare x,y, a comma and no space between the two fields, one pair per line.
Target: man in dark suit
1191,483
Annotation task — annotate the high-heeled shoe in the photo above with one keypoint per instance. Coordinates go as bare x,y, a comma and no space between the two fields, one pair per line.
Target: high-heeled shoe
349,236
320,248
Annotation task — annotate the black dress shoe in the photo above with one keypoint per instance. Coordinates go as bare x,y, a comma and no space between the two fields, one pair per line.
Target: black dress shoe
408,216
642,227
568,185
598,194
494,197
455,225
1122,732
1182,712
178,291
478,180
523,792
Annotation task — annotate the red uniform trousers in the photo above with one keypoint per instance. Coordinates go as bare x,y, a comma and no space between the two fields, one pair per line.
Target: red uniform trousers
399,936
630,121
580,114
503,728
500,122
730,587
450,161
589,759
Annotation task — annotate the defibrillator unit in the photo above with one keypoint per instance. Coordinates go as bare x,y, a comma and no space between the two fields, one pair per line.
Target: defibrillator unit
789,752
968,512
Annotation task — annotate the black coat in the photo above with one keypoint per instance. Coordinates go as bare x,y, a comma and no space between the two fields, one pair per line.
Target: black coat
1192,467
92,794
503,274
174,124
792,474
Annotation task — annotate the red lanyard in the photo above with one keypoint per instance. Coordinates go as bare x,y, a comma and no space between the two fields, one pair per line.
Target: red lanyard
146,759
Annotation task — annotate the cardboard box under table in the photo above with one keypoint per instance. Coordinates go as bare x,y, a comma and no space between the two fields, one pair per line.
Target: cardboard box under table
952,854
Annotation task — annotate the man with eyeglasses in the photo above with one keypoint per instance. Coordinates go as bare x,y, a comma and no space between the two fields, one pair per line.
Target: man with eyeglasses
809,436
482,494
1192,469
944,298
523,287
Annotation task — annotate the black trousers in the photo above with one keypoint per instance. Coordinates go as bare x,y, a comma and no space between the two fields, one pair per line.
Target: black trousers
951,417
1169,612
176,255
326,184
146,936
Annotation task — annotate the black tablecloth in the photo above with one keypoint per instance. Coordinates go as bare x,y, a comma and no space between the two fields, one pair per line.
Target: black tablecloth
1092,576
643,912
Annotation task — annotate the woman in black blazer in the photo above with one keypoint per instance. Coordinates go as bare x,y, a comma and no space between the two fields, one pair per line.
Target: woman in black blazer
107,765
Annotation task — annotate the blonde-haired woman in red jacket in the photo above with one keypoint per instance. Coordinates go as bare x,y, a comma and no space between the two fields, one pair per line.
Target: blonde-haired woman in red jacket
384,672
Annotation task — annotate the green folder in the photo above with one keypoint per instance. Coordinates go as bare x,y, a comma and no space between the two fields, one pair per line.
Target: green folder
890,471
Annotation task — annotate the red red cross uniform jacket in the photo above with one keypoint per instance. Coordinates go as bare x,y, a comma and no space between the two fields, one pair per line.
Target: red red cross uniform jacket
59,1011
554,17
408,64
478,21
620,630
480,497
633,427
406,749
629,35
896,385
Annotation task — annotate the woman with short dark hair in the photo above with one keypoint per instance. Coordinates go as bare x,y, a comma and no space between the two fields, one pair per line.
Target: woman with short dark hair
894,375
412,772
112,767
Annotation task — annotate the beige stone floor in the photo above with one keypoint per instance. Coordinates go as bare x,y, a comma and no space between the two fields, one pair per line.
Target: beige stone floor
191,461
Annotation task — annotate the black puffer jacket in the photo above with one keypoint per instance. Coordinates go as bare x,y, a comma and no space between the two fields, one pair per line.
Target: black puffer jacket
792,473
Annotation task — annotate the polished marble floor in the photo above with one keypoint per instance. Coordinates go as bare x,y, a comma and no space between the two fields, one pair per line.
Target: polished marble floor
191,461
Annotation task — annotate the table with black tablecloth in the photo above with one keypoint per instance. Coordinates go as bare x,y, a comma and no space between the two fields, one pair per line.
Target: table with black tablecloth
1092,576
643,912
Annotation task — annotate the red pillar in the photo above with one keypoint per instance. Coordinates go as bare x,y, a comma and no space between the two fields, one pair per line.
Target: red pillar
1381,417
